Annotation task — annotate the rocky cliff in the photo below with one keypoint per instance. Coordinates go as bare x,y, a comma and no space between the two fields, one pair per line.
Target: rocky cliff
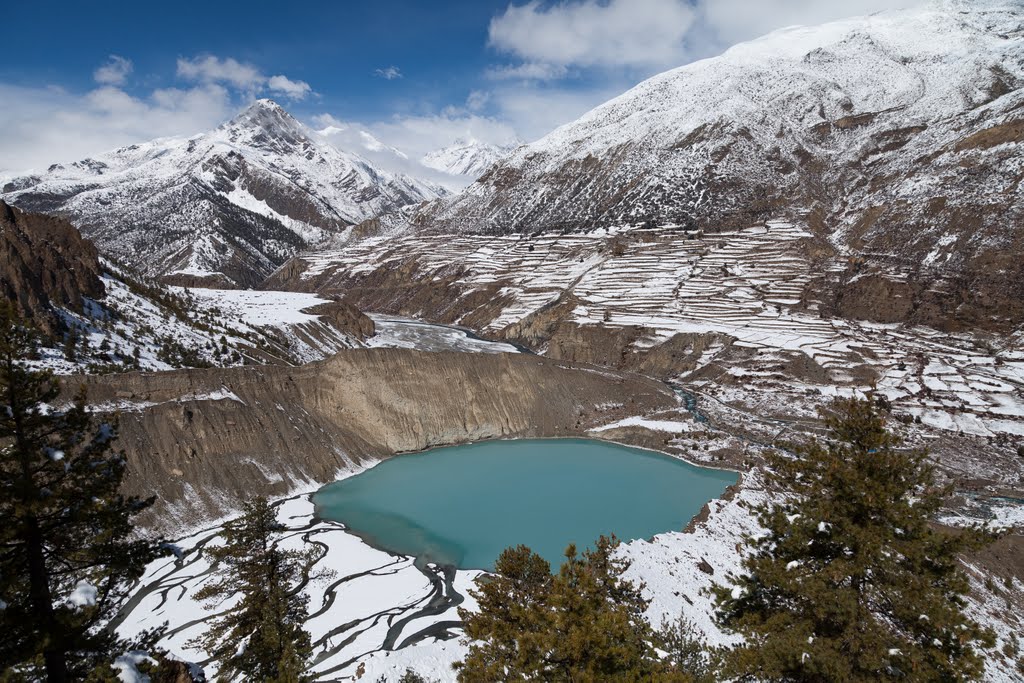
45,263
205,440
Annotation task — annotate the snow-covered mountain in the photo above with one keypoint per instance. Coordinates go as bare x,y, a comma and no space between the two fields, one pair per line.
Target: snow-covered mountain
467,157
225,207
895,138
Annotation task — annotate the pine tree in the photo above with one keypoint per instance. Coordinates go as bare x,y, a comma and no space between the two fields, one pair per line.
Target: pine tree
685,652
851,581
261,637
585,624
71,345
66,561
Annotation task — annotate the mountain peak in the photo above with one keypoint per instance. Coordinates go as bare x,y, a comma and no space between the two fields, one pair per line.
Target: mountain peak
266,103
266,107
266,123
466,156
223,208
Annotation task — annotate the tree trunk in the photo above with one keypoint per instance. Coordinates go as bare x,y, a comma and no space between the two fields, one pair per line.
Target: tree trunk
40,595
42,604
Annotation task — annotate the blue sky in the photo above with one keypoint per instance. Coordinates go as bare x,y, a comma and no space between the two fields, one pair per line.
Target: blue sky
78,78
334,46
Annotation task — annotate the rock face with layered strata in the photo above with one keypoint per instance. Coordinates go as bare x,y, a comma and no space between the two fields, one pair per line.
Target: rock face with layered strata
205,440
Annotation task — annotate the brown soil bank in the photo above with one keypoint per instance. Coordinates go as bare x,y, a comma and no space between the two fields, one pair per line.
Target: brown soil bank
203,441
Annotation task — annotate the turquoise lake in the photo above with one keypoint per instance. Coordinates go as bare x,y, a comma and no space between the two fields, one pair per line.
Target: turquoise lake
463,505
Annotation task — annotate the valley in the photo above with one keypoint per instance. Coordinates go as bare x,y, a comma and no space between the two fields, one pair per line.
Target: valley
641,316
415,624
731,314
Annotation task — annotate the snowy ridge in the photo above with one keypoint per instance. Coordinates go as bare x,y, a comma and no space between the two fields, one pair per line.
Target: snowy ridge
859,130
922,64
138,325
467,157
229,205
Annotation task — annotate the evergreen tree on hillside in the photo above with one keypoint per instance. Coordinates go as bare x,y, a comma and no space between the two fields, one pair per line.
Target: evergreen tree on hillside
67,556
71,345
585,624
851,581
260,637
686,652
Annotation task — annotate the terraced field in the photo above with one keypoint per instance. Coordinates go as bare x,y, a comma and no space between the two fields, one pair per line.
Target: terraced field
749,286
657,278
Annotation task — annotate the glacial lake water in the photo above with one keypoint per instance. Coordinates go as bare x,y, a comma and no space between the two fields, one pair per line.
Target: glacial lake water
463,505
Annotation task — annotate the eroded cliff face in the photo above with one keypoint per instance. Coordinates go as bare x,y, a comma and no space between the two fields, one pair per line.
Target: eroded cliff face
204,441
45,262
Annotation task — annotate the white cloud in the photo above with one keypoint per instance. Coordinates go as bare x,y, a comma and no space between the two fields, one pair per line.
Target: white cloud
389,73
529,71
244,77
635,33
114,72
417,135
477,100
210,69
535,111
736,20
295,90
398,144
41,126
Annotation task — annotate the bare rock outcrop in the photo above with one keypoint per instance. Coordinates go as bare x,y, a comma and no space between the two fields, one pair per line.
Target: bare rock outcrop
45,262
345,318
204,441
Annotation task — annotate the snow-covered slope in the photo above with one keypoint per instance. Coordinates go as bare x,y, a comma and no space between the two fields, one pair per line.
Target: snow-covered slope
894,137
95,315
467,157
140,325
851,90
223,207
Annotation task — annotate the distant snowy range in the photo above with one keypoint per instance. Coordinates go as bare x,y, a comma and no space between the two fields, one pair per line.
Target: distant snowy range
228,207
